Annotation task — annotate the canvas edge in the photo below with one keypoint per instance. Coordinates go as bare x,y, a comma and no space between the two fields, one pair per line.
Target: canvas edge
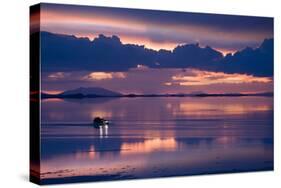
34,89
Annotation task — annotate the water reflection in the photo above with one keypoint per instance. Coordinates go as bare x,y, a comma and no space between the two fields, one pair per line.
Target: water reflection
152,137
103,131
75,110
148,146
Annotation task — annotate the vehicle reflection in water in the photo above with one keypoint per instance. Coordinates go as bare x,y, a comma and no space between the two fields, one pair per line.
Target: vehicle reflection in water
103,130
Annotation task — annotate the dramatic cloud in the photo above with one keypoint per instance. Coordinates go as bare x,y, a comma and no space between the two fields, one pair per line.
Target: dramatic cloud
156,29
64,53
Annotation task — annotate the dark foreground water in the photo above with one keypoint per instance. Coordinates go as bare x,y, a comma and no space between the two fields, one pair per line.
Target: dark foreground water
155,137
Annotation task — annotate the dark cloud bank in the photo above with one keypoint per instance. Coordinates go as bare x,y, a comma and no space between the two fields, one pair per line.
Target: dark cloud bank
68,53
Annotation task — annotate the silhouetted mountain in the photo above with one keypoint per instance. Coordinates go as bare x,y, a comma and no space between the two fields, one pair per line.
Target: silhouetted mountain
69,53
94,91
104,93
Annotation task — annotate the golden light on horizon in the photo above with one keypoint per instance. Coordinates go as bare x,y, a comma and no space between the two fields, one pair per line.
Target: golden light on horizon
207,77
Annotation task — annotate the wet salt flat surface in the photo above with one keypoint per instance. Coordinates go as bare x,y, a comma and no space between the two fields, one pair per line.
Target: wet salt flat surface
155,137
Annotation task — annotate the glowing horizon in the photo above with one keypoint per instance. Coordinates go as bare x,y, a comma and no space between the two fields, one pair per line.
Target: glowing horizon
169,80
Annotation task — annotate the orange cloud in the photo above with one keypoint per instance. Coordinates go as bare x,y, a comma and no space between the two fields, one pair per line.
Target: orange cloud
96,76
197,77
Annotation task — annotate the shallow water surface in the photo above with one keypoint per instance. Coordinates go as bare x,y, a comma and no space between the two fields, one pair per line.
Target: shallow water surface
154,137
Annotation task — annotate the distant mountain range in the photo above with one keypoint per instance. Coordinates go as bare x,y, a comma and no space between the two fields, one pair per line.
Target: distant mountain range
96,92
83,92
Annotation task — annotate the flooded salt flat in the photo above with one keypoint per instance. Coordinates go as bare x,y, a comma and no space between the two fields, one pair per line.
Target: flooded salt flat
155,137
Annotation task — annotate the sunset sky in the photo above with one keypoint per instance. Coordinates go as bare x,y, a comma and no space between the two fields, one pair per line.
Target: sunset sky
158,30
